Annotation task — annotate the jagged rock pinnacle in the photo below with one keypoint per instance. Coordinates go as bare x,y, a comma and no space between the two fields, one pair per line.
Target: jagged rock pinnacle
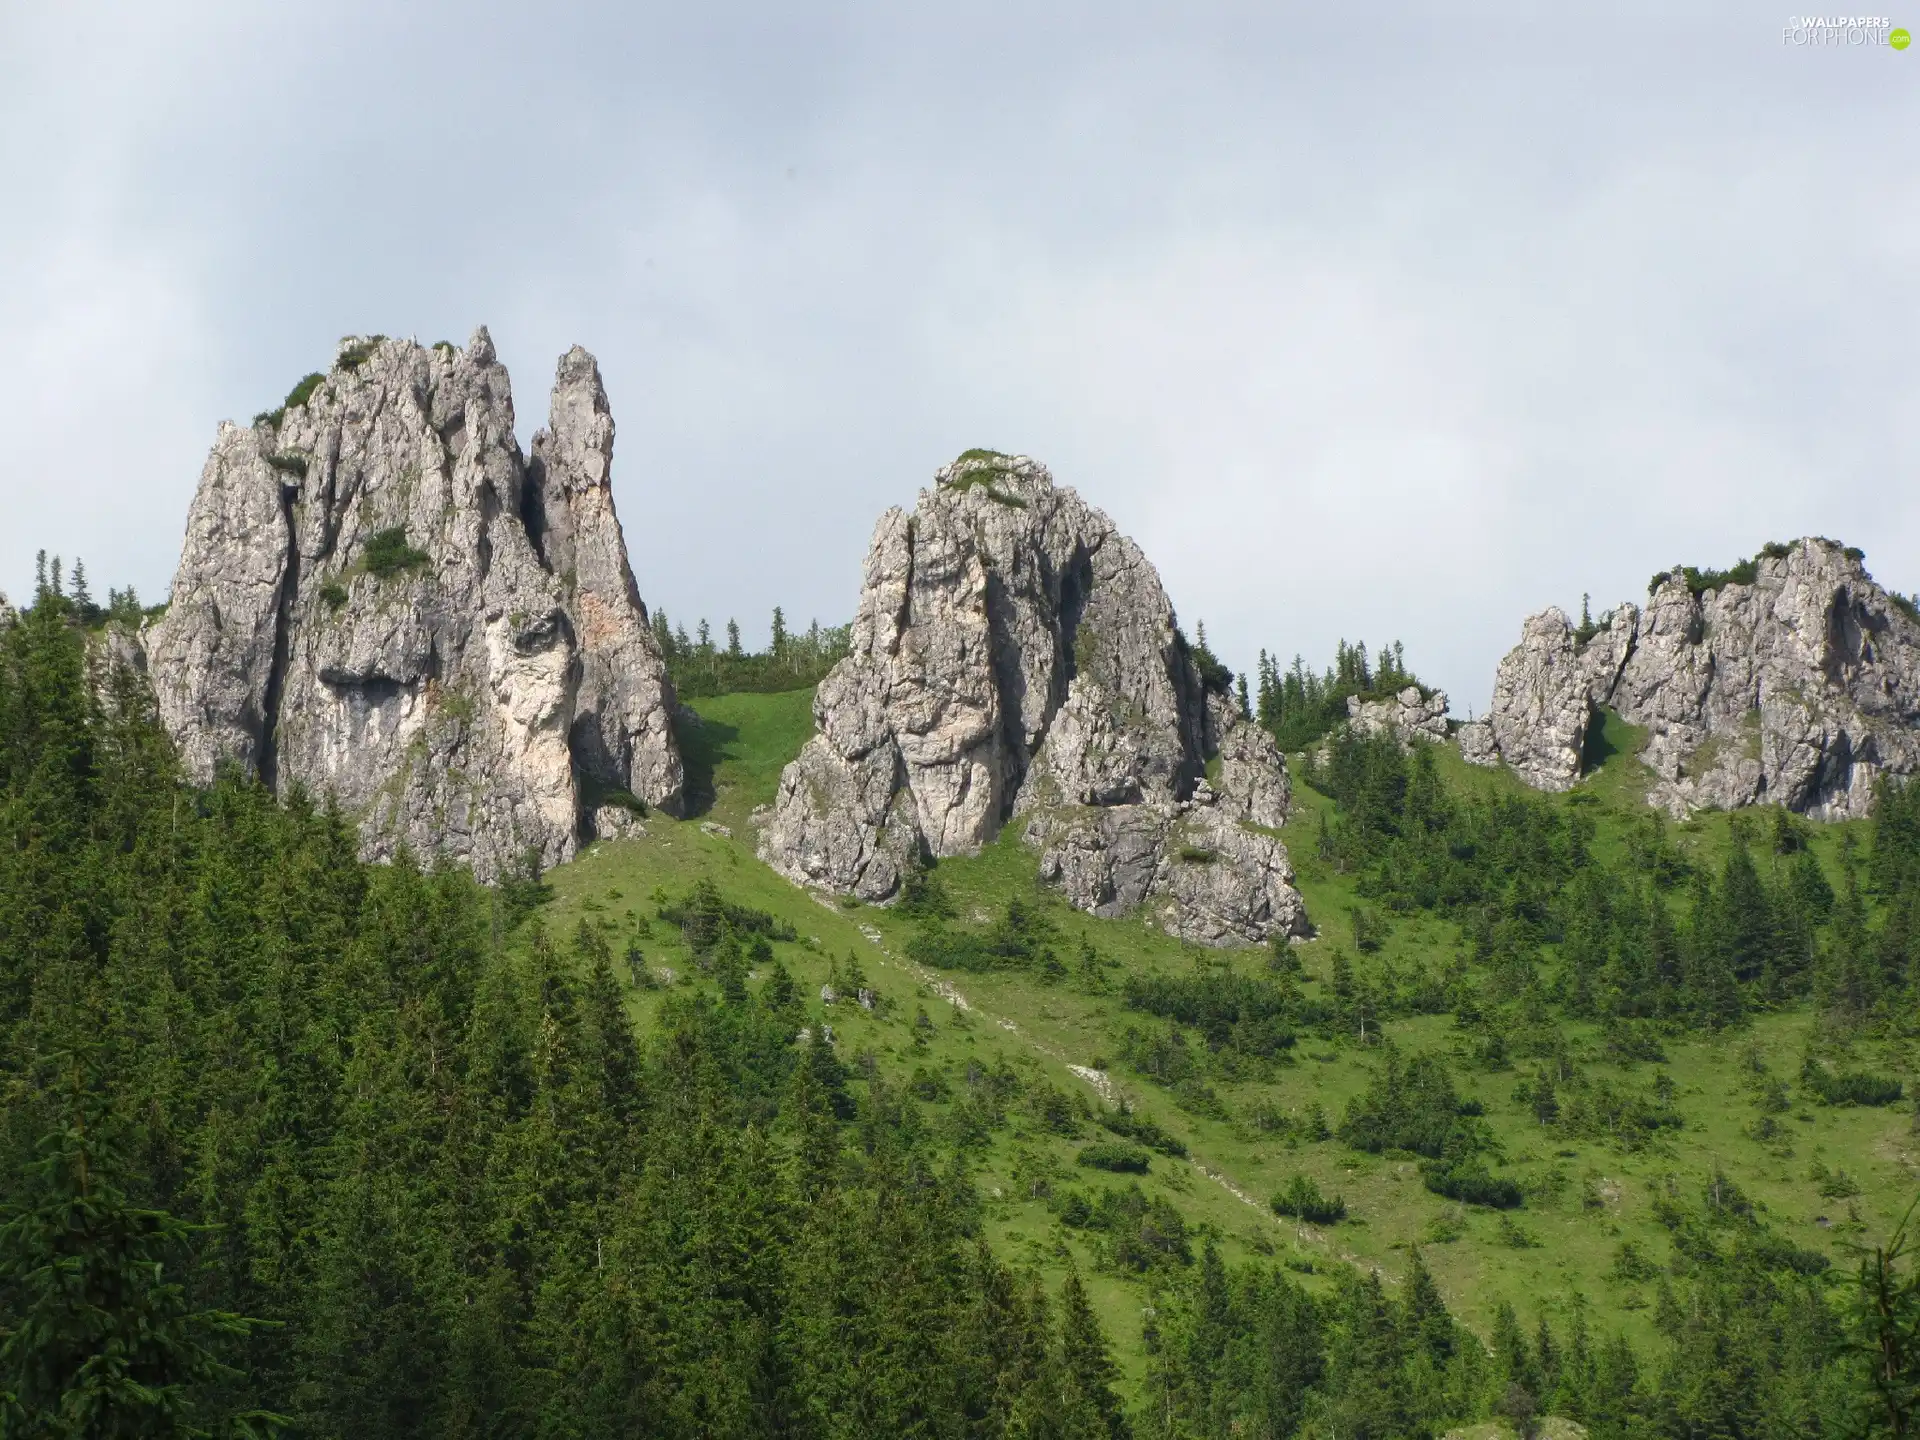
380,599
1013,652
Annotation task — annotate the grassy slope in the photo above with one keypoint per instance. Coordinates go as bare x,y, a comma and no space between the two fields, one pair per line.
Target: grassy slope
735,760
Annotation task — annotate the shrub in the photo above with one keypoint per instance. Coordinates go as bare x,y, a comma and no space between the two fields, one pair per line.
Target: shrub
354,356
928,1086
1119,1158
1631,1264
1468,1182
705,918
300,394
981,468
289,462
1849,1087
1743,572
388,553
1517,1236
1833,1184
333,594
1410,1105
1020,939
1242,1012
1140,1129
1303,1201
923,895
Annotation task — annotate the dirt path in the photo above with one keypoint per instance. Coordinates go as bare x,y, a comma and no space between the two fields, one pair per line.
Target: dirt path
1101,1083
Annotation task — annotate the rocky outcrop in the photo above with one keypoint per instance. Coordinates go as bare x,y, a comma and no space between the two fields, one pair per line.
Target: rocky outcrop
1799,686
379,598
1014,653
1412,714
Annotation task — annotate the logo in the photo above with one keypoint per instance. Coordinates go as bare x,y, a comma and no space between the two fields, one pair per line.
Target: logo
1808,31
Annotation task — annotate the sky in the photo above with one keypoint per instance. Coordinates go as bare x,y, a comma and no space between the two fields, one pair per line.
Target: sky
1395,325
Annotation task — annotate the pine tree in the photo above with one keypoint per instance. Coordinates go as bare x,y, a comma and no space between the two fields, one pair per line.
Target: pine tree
1849,977
106,1343
1428,1325
810,1109
1511,1354
778,645
1092,1408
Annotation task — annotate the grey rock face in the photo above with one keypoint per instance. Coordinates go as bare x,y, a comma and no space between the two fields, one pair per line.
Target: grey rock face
1407,716
1220,883
1541,704
1253,776
1477,746
379,598
1800,688
1013,653
1105,860
1202,873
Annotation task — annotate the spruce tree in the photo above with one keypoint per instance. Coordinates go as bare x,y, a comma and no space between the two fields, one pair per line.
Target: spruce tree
1092,1409
105,1343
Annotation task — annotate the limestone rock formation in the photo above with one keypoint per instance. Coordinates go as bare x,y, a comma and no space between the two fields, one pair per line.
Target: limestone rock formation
1013,653
1800,686
379,598
1407,716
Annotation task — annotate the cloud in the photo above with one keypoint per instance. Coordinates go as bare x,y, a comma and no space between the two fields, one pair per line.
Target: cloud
1400,330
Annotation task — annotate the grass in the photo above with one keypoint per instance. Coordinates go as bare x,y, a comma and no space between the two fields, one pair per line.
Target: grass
1586,1200
387,552
981,468
734,756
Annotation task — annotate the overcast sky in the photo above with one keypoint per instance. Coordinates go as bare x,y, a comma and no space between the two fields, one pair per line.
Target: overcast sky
1403,325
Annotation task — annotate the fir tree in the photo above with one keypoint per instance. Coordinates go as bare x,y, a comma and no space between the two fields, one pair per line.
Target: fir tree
106,1343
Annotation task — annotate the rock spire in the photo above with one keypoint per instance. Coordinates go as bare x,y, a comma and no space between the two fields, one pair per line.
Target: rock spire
380,599
1014,654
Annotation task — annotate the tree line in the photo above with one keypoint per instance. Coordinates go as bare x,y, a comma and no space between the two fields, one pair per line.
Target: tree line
698,665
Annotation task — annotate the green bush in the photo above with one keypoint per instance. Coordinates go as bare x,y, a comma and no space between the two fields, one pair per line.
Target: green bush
333,594
1120,1158
1849,1087
1743,572
1302,1200
981,468
1021,939
388,553
1246,1013
289,462
300,394
1468,1182
354,356
1140,1129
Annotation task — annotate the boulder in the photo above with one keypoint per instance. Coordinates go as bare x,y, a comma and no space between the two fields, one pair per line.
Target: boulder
1412,714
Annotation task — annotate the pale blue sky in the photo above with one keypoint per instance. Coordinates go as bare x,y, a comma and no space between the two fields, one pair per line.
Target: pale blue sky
1402,326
